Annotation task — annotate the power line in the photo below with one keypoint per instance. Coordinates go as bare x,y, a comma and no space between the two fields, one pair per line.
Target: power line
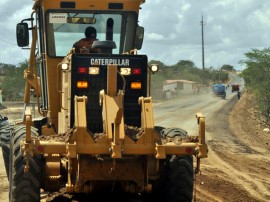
9,32
3,28
8,42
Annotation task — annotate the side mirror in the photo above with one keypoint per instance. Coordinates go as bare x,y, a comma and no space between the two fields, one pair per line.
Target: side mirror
22,34
139,37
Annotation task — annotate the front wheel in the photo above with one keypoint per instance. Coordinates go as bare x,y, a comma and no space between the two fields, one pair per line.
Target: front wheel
23,186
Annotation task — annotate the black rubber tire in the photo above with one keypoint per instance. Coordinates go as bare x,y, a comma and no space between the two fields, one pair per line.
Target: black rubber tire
174,132
3,120
159,129
180,178
5,133
176,181
23,187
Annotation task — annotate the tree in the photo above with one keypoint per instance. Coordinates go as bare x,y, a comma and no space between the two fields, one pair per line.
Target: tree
227,67
256,76
185,64
6,69
14,82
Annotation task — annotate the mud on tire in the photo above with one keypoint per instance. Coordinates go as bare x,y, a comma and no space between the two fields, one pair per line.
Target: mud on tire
23,186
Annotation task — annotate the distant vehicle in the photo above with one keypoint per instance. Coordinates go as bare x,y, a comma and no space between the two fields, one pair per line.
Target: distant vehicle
219,90
235,87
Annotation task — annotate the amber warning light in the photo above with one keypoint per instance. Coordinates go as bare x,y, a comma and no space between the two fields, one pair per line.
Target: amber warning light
82,84
136,85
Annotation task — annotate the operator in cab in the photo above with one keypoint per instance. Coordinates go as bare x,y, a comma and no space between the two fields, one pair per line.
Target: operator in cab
85,45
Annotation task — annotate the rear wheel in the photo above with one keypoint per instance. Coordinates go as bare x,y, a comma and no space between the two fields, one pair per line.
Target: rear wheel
180,178
176,179
23,186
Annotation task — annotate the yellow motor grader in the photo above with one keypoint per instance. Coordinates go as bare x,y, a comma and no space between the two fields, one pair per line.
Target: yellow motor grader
96,131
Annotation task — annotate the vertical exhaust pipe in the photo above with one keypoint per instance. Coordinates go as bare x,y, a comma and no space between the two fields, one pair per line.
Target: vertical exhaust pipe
109,29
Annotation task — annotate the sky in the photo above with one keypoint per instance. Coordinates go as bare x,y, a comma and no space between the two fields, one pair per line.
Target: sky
173,30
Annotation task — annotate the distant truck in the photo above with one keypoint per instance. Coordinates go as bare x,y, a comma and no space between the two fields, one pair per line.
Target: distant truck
235,87
219,90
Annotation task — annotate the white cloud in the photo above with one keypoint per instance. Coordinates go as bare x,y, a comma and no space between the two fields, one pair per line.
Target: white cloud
10,53
231,29
173,30
154,37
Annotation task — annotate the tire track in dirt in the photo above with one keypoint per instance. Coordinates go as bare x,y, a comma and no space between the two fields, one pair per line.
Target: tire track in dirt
206,195
224,155
255,188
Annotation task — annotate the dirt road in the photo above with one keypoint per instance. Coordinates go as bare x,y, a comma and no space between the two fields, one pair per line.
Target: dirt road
237,168
3,180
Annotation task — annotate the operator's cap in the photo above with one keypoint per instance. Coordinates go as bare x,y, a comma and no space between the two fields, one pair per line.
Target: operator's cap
90,32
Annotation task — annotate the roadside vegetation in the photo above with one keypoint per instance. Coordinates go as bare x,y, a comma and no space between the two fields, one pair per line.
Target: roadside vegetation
256,76
12,81
186,70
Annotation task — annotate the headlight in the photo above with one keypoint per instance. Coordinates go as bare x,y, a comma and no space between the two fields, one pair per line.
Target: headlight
154,68
125,71
93,70
64,66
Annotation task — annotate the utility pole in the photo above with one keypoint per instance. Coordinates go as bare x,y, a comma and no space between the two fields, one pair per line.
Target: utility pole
202,23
